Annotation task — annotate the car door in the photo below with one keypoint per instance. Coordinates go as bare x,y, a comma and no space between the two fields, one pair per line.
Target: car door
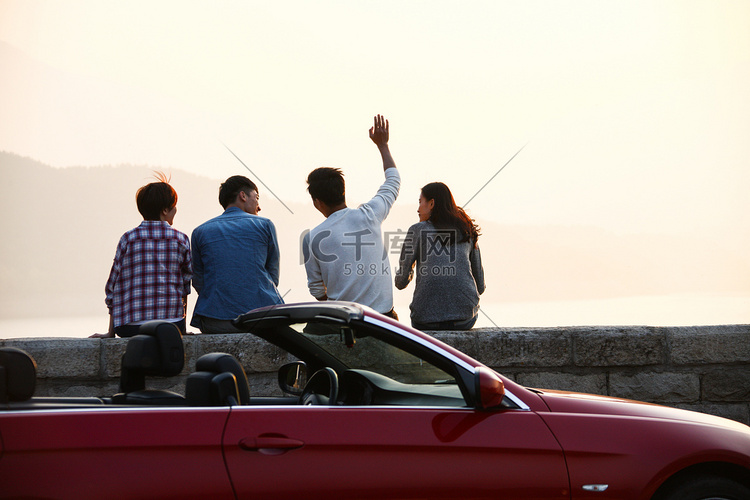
114,453
392,452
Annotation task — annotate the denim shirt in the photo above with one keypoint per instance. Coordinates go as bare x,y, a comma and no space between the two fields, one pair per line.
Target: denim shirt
235,265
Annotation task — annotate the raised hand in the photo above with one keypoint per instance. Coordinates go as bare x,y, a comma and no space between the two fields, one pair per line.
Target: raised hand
379,131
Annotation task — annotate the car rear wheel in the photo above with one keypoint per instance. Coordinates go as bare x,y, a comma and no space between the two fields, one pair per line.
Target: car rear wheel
708,488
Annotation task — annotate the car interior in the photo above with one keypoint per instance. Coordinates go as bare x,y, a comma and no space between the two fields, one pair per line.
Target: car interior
330,371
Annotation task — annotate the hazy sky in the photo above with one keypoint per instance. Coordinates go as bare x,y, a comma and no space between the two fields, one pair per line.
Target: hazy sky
634,115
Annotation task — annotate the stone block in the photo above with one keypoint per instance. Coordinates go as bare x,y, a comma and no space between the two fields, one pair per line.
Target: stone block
61,357
619,346
656,387
709,345
111,354
264,385
727,384
519,348
467,342
190,349
76,389
254,354
590,384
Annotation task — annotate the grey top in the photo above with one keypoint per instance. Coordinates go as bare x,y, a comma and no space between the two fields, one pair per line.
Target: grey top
449,278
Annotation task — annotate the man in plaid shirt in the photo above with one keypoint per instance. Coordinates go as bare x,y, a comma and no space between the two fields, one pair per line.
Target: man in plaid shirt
151,272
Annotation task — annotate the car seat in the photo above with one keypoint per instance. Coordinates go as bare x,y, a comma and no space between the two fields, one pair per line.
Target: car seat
17,375
219,380
157,351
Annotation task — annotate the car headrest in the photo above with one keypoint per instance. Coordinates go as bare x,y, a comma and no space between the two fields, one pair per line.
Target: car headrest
212,389
17,375
157,350
219,362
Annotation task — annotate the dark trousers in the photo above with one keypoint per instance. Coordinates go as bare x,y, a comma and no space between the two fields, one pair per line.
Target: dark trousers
130,330
465,324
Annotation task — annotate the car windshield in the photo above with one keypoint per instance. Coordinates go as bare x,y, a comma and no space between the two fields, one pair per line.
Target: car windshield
358,349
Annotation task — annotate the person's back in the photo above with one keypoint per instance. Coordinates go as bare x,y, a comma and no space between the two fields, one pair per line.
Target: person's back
344,255
449,275
151,271
349,261
235,260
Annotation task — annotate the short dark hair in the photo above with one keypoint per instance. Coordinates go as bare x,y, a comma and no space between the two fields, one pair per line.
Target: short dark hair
231,187
327,185
155,197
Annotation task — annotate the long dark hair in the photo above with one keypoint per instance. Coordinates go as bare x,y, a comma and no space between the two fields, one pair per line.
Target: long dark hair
447,215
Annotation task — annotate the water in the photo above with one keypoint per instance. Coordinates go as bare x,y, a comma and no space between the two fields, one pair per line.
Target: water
671,310
53,327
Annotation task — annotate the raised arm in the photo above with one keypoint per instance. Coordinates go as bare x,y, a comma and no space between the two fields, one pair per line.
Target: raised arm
379,135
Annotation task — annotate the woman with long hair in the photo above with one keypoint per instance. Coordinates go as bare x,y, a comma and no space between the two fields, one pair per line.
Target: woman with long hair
442,251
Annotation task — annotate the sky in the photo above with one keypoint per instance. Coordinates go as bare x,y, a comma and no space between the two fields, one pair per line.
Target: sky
629,116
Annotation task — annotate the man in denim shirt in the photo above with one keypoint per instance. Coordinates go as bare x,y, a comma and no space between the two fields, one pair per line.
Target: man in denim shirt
235,260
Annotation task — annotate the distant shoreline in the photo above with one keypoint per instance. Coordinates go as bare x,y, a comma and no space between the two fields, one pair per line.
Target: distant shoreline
656,311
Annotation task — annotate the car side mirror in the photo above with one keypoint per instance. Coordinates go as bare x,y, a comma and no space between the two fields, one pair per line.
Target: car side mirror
293,377
489,389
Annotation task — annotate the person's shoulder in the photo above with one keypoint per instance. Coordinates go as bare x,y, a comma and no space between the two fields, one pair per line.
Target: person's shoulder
320,227
327,226
127,237
216,220
421,226
256,221
131,232
177,233
200,227
135,232
261,219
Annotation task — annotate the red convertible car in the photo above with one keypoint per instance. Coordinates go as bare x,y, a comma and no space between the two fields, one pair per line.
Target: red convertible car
370,409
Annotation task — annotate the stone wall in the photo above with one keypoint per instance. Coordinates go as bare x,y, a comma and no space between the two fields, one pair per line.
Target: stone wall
703,368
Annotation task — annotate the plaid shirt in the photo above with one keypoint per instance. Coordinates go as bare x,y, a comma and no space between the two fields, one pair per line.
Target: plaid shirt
150,275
